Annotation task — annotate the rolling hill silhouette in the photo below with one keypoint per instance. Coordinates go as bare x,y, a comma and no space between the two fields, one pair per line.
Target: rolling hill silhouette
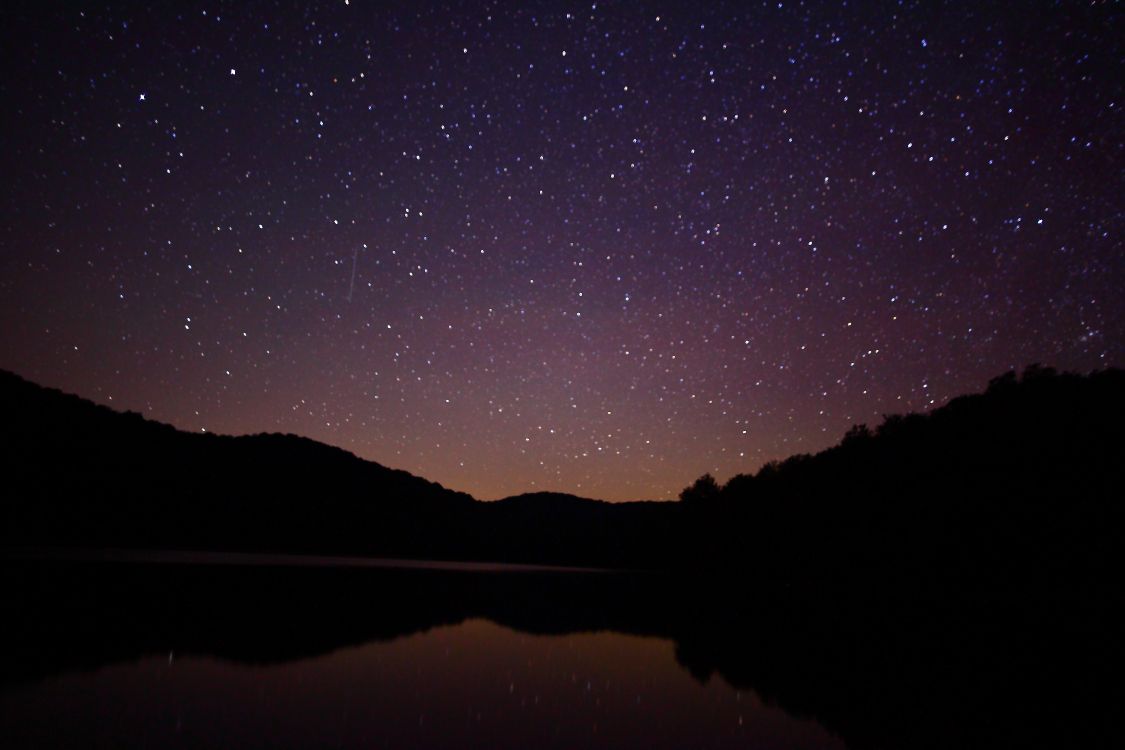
79,474
946,579
1020,481
1022,476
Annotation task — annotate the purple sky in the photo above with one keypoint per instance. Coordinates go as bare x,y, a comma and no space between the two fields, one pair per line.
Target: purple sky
595,248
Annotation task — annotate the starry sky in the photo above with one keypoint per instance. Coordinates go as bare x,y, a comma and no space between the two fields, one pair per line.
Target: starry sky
598,248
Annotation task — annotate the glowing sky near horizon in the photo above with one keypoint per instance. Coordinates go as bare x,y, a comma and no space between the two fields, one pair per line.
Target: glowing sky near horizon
594,248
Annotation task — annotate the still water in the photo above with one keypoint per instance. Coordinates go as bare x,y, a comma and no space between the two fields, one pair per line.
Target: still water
176,655
474,684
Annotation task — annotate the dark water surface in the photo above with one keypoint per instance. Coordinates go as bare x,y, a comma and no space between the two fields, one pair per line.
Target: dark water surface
254,651
168,650
276,560
474,684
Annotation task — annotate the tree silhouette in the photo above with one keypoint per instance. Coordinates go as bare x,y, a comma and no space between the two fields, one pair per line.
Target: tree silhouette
857,433
705,489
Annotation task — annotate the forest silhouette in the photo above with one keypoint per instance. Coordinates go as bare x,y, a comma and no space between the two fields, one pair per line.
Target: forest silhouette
946,579
1019,478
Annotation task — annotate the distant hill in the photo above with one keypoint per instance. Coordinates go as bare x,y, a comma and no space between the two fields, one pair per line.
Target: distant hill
937,580
76,473
1020,476
548,499
79,473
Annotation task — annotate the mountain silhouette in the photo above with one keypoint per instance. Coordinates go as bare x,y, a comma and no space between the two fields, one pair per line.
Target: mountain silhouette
80,474
945,579
1021,477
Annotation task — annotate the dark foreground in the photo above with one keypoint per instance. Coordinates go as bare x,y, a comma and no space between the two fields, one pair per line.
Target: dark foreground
295,652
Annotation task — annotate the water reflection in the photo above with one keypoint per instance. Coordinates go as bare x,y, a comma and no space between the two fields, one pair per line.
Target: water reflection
131,654
475,684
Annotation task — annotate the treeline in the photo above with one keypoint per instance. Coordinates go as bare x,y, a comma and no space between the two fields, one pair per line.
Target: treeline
1025,477
74,473
1022,477
939,574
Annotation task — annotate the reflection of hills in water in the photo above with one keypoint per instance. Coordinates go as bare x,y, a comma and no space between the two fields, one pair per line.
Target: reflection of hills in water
939,580
919,679
473,684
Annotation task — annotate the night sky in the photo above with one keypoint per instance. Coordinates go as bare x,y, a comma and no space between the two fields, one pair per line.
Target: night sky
594,248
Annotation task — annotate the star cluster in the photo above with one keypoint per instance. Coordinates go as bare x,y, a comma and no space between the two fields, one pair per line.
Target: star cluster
599,248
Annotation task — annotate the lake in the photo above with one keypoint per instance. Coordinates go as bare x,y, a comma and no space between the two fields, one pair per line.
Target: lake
474,684
167,650
259,652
